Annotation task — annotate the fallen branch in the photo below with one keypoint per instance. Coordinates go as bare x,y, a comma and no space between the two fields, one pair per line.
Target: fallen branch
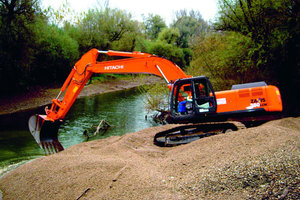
103,125
83,193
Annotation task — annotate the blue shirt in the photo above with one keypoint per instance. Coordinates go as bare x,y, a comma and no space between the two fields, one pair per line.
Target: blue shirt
181,107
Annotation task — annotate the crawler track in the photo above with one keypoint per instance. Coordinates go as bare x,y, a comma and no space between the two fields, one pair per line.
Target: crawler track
190,132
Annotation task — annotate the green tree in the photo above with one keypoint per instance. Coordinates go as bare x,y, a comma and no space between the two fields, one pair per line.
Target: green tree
104,28
273,26
16,42
169,35
154,24
190,25
224,58
130,39
165,46
54,54
32,51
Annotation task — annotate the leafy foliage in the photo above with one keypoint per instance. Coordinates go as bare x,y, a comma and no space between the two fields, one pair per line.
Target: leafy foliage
273,26
57,53
190,25
106,28
154,24
16,43
40,47
224,57
165,46
254,40
34,51
156,97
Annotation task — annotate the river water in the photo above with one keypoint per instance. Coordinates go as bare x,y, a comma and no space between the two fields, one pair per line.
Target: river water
123,110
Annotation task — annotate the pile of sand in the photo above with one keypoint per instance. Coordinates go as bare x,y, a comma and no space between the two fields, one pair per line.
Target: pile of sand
237,165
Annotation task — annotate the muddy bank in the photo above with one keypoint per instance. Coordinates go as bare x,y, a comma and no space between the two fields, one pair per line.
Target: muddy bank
40,97
255,163
15,110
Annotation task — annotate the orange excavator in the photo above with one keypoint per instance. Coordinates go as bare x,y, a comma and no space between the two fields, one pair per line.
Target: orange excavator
192,99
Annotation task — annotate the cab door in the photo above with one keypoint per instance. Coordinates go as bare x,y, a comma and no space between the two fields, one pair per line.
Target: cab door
204,96
190,98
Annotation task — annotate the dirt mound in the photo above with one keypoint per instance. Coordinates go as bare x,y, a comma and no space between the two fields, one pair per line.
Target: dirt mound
252,163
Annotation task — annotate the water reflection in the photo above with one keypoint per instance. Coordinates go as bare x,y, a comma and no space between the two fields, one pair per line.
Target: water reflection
124,110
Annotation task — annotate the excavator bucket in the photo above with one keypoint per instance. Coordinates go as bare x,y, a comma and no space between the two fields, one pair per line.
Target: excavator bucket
45,133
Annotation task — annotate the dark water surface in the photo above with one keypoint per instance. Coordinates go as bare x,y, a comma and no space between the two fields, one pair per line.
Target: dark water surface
124,110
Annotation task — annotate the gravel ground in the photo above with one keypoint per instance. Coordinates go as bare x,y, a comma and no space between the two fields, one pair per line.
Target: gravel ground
255,163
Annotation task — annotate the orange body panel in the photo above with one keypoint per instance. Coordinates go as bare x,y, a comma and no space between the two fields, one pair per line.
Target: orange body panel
267,97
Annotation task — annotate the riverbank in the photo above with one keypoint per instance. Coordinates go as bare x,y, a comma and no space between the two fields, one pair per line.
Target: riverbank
255,163
43,96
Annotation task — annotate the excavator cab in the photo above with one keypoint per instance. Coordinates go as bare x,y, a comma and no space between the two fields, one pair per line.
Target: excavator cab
192,99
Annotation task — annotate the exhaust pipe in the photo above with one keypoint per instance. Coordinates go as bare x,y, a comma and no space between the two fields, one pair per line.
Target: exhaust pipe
45,133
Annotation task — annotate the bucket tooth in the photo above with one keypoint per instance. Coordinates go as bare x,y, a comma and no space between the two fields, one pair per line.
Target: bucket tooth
45,147
57,146
51,147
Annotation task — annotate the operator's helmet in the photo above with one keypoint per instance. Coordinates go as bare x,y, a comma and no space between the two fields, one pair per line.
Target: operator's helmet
201,87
